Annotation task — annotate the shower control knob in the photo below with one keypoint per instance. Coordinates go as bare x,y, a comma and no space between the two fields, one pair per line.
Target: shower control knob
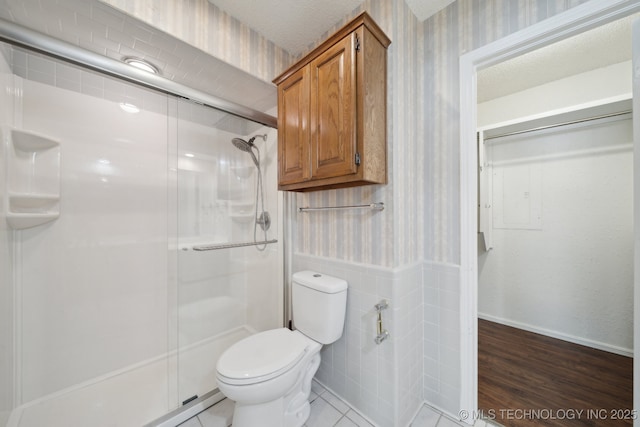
264,220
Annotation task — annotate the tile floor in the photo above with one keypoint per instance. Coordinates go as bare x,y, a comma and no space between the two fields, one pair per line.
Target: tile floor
327,410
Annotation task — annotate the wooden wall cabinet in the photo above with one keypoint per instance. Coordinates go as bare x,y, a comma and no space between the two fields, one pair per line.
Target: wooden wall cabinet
332,117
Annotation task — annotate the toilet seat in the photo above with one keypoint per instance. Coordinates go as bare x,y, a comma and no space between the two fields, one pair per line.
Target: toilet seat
261,356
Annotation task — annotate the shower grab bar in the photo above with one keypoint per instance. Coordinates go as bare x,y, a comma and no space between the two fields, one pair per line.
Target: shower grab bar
230,245
379,206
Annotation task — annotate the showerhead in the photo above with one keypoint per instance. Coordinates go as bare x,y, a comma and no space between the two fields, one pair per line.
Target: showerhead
248,146
243,145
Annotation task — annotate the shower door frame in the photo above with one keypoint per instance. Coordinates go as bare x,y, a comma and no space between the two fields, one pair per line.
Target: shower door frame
25,37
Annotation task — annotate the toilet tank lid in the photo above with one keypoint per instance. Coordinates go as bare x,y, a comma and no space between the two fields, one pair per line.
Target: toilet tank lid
320,282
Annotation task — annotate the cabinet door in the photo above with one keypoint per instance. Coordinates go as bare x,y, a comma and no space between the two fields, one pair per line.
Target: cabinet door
293,128
333,111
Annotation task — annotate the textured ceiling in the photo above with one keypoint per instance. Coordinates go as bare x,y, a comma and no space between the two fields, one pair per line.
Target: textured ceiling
294,25
605,45
425,8
291,24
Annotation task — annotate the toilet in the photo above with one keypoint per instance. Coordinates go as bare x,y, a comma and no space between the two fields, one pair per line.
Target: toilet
269,374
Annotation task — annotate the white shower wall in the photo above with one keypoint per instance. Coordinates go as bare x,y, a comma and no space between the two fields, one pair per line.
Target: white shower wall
88,286
6,264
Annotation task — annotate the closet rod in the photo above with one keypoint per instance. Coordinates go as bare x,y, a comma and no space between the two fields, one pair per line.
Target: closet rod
375,206
571,122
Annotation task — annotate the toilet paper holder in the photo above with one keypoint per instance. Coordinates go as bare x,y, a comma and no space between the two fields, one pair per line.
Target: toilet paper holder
383,334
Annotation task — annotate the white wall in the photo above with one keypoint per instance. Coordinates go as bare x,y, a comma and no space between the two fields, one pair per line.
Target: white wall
570,274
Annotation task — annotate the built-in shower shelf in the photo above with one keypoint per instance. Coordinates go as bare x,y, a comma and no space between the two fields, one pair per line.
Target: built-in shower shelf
30,202
32,193
242,210
31,142
22,221
242,217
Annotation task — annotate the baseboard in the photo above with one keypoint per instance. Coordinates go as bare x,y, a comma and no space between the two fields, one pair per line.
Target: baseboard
559,335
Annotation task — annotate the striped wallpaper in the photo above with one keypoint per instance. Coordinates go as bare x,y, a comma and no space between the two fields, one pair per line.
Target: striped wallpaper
462,27
205,26
388,238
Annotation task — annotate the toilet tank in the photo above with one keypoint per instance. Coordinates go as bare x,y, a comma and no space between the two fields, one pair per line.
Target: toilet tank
319,305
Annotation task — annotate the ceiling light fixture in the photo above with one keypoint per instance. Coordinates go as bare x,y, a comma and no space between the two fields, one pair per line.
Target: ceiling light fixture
141,64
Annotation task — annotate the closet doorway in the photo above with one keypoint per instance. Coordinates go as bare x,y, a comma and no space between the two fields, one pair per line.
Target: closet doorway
581,18
555,285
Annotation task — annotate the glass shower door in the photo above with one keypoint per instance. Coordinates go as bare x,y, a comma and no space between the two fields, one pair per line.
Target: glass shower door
84,295
229,287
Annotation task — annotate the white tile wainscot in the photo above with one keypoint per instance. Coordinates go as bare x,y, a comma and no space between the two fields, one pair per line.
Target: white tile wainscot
441,291
383,382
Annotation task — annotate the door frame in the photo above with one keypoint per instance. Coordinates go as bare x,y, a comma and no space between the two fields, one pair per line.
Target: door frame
587,16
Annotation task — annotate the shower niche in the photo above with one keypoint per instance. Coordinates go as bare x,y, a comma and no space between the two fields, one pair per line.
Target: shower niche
33,178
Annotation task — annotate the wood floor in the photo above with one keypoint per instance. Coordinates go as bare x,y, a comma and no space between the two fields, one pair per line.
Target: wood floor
526,379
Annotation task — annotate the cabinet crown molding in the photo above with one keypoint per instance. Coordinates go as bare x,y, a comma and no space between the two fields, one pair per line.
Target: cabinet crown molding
360,20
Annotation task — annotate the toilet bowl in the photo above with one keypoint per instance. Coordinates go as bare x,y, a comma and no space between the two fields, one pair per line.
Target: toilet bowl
269,374
273,391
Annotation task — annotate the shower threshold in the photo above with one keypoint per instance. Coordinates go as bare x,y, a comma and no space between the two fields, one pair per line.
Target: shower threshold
114,399
190,410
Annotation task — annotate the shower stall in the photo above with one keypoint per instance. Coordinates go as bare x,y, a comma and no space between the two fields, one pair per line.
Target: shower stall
130,257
